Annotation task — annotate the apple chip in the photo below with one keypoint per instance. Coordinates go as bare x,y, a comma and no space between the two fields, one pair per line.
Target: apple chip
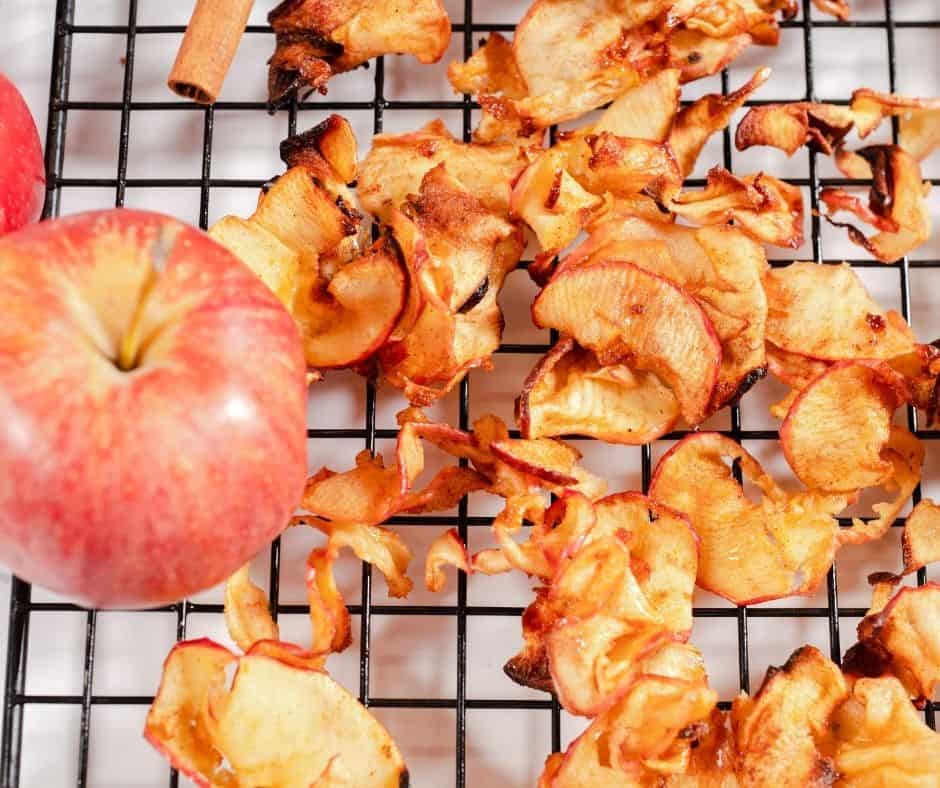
849,398
919,119
317,39
247,616
837,8
177,724
824,312
699,55
902,639
897,205
767,209
920,540
624,313
720,266
706,116
821,127
776,730
749,552
569,392
284,725
646,111
447,550
327,151
397,163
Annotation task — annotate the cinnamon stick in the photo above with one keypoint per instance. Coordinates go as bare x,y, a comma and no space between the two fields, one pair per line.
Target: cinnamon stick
208,48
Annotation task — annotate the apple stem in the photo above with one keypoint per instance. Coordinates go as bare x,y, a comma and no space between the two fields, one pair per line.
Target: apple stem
129,349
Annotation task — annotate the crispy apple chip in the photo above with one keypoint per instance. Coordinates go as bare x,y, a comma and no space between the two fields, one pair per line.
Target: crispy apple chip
821,127
318,39
749,551
837,8
447,550
247,616
920,540
849,399
624,313
919,119
824,312
767,209
570,392
776,731
897,205
902,639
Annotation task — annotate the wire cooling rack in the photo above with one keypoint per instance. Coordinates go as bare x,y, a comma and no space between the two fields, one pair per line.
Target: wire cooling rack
78,682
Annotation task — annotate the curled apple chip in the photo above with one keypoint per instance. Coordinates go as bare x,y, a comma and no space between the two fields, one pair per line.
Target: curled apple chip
397,164
776,731
624,313
699,55
447,550
328,151
764,207
837,8
824,312
316,40
920,540
849,398
880,739
902,639
696,123
570,392
720,266
749,551
897,205
821,127
919,119
247,616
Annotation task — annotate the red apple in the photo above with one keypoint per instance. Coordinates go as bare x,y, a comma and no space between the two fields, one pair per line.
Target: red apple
152,409
22,171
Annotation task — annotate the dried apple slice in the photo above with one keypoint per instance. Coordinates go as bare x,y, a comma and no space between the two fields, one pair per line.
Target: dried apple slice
825,312
902,639
918,132
699,55
920,541
345,320
569,392
821,127
622,166
897,204
880,739
626,314
247,616
849,398
328,151
447,550
776,730
767,209
646,111
837,8
176,723
749,551
284,725
491,69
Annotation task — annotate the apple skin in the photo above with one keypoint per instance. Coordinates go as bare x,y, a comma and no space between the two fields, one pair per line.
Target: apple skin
22,170
137,488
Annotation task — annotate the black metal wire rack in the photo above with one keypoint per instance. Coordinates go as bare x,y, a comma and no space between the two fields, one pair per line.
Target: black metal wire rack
17,699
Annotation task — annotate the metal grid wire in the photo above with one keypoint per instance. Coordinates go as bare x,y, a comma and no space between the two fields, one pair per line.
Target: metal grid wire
16,698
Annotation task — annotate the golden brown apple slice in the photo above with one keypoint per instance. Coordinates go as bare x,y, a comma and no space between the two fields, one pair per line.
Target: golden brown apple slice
749,551
919,119
328,151
902,639
247,616
447,550
881,738
920,540
569,392
897,204
824,312
849,398
821,127
645,111
345,320
626,314
699,55
285,725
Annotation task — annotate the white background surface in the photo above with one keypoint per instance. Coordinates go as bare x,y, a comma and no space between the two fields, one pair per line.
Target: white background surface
411,656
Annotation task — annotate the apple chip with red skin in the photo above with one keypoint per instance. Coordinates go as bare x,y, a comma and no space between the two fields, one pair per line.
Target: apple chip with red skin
447,550
749,551
897,204
720,266
570,392
902,639
766,208
317,39
920,540
776,731
850,398
879,739
821,127
624,313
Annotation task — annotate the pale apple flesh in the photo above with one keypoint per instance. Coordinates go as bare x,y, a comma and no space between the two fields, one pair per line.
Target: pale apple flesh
152,425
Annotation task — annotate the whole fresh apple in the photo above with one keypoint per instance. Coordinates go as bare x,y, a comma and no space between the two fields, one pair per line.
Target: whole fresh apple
22,172
152,409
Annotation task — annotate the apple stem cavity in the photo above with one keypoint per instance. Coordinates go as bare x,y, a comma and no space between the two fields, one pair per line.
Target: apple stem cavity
129,351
